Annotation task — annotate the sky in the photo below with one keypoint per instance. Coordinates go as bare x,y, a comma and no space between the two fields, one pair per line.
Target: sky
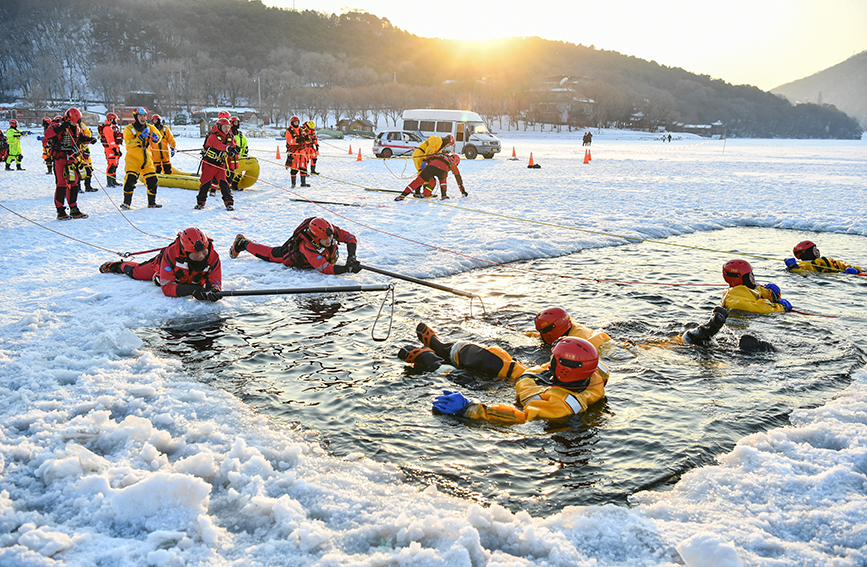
765,43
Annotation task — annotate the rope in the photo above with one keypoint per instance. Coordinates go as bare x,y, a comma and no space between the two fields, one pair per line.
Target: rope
59,233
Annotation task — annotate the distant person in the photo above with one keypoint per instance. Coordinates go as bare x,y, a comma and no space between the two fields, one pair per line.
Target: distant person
669,138
568,384
745,295
219,148
438,167
809,259
13,141
85,164
234,176
111,138
137,138
46,152
163,150
190,265
313,146
297,150
588,138
313,245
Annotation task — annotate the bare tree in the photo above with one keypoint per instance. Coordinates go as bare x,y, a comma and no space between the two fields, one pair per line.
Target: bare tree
237,84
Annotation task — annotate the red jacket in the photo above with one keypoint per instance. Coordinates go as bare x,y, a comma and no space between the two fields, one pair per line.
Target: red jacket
176,268
303,253
61,138
215,146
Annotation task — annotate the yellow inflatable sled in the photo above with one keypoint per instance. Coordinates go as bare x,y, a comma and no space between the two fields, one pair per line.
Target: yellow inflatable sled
249,166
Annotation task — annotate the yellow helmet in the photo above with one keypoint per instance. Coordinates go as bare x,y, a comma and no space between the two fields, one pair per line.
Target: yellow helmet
310,125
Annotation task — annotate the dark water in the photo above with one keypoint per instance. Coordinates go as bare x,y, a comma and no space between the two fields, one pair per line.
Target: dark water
310,361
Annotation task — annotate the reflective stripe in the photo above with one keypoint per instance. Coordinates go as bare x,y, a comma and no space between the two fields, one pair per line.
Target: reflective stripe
574,404
536,397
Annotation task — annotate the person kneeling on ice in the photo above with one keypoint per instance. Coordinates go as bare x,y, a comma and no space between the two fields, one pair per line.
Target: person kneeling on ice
219,145
188,266
809,259
573,380
744,295
554,323
313,245
438,167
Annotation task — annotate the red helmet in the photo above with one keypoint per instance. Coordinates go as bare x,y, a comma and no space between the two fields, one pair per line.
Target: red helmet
58,118
235,121
573,360
221,122
449,140
455,159
72,115
806,251
156,118
320,229
224,114
739,272
13,123
45,121
553,323
193,240
111,117
294,119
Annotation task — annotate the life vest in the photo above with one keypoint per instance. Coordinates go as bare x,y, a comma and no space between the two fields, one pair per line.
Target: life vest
292,247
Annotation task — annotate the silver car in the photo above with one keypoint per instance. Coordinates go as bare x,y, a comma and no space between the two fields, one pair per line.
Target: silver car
395,143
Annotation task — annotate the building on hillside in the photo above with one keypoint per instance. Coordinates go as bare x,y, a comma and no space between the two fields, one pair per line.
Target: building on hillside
360,124
558,100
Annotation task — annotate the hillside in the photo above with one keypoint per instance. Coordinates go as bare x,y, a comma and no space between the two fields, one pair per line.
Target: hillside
206,53
843,85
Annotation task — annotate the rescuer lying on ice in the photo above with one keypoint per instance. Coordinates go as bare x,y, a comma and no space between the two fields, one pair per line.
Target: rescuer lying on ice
313,245
188,266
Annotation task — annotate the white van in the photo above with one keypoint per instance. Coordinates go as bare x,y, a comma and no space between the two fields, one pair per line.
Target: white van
471,136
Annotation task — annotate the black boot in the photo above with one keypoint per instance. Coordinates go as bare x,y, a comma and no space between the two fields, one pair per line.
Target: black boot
429,338
20,168
238,246
701,335
75,213
61,213
421,358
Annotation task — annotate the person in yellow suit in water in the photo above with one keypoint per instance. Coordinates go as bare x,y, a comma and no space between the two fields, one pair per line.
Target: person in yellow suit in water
745,295
568,384
809,259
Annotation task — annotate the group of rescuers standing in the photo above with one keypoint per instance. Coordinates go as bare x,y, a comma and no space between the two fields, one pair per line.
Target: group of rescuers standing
567,385
149,147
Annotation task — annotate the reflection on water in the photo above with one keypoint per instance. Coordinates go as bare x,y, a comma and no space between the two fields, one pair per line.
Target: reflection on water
310,361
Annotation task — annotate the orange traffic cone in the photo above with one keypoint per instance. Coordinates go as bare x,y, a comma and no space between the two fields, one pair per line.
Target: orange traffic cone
350,149
586,156
514,155
589,156
531,160
278,152
359,155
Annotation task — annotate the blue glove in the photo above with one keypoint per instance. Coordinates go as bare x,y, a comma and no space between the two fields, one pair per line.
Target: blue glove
785,303
851,271
451,403
155,138
143,136
172,153
791,262
775,291
39,138
423,165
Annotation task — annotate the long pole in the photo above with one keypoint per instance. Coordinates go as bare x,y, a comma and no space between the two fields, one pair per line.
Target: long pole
420,282
298,290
